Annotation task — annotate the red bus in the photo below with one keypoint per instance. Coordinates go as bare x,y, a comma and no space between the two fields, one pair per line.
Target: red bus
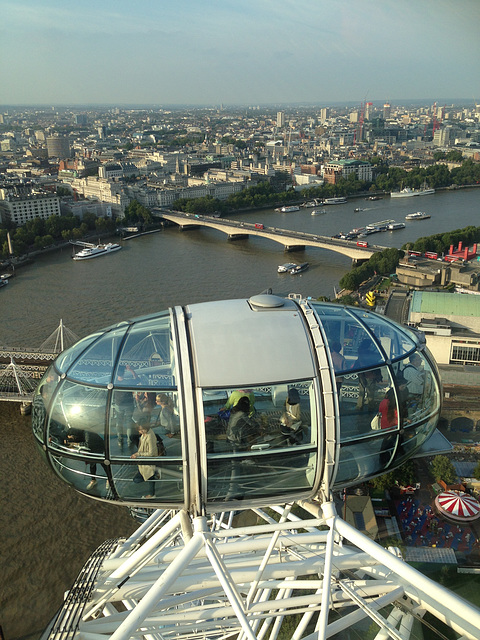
362,243
258,225
431,255
452,258
414,253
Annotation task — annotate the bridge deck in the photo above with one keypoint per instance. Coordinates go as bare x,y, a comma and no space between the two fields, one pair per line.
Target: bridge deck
287,238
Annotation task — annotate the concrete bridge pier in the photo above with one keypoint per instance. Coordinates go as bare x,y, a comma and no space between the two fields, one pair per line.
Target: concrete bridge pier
294,247
357,262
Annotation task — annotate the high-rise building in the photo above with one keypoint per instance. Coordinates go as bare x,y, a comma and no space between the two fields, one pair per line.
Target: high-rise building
386,111
280,119
324,114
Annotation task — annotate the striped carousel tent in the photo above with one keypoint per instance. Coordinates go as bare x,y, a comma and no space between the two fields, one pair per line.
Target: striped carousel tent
458,506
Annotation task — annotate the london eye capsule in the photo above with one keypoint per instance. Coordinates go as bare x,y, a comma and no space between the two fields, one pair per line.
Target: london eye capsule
236,403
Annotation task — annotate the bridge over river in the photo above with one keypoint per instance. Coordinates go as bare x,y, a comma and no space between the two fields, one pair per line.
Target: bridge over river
290,240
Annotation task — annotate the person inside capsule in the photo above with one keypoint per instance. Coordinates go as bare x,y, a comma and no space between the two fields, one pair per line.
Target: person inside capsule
334,368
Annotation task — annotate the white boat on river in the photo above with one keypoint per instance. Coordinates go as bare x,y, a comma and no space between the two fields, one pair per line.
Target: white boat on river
95,250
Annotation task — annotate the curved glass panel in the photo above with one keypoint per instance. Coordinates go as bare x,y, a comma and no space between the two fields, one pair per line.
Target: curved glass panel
365,459
65,359
131,410
147,356
420,394
89,478
348,336
394,343
260,475
411,438
260,421
96,363
159,480
362,399
77,415
41,400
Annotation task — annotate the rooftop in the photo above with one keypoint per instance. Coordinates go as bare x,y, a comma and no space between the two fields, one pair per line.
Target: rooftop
442,304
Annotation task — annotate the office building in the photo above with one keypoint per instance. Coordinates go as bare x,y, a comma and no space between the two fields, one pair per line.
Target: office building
58,146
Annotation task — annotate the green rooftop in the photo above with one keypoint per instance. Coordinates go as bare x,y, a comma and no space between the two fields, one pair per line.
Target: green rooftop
445,304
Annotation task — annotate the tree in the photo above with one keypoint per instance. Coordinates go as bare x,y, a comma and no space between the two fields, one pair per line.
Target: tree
442,468
404,476
476,472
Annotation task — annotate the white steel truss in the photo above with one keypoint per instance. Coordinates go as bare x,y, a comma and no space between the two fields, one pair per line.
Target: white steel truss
283,576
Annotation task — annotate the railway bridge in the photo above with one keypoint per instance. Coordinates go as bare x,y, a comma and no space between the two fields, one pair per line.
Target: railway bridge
21,368
291,240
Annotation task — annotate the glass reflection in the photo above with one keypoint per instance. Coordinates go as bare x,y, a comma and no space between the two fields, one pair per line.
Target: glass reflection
243,477
65,359
76,407
360,401
96,363
364,459
394,343
165,484
132,409
148,355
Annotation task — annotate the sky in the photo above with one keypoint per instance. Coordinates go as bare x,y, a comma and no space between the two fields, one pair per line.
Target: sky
212,52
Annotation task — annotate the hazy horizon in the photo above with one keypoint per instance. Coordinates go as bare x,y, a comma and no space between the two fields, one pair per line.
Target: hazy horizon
254,52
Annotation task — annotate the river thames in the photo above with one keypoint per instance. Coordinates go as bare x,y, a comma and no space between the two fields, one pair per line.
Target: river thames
48,531
172,267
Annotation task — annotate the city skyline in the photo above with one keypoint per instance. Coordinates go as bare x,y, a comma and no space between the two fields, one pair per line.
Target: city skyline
224,52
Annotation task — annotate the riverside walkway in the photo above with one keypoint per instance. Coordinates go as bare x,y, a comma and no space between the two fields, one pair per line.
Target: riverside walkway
291,240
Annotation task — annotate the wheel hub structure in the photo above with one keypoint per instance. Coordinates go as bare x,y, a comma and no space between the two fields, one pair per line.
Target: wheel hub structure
283,576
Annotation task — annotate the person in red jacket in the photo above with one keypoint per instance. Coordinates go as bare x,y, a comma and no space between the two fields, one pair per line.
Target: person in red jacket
388,411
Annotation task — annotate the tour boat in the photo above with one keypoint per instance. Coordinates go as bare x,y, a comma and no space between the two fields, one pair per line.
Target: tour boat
335,200
408,192
382,225
95,250
283,268
299,268
417,215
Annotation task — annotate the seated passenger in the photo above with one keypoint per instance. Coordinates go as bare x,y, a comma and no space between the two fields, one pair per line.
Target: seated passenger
240,428
291,420
235,396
